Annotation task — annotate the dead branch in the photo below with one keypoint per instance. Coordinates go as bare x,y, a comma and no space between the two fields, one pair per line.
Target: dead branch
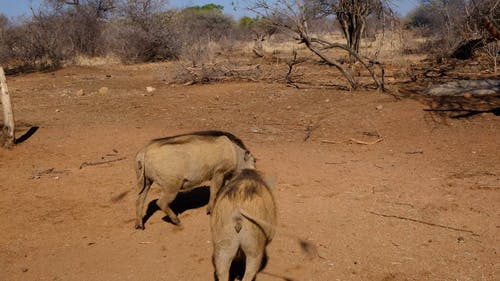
39,174
491,27
85,164
291,63
335,163
329,142
366,142
424,222
257,53
307,41
419,151
309,131
380,84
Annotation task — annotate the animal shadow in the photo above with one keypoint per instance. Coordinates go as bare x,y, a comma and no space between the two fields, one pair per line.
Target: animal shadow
184,201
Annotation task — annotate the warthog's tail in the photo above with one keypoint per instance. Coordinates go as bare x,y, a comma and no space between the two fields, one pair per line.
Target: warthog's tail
141,172
261,224
308,247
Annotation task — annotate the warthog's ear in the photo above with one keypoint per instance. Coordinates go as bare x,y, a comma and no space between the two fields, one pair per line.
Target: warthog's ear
247,155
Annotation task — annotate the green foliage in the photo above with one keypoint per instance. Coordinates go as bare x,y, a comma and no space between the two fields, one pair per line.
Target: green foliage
206,22
248,22
206,8
419,17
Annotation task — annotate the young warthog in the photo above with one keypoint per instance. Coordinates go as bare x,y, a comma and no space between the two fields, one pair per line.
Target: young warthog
180,163
242,223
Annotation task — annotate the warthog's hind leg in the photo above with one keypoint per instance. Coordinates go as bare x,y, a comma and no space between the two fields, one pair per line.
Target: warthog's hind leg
252,266
223,256
143,186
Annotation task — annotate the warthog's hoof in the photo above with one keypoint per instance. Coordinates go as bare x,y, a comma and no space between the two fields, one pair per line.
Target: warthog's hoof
139,226
176,221
209,210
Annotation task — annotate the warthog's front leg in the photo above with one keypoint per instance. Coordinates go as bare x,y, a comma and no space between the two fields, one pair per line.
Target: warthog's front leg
164,202
215,184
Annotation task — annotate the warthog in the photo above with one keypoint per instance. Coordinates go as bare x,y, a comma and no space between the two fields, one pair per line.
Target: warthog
182,162
242,223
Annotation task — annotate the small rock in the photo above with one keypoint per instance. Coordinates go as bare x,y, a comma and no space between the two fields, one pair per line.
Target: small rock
289,107
379,107
103,90
467,95
80,93
150,89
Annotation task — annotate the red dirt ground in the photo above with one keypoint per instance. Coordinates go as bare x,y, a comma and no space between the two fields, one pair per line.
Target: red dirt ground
422,204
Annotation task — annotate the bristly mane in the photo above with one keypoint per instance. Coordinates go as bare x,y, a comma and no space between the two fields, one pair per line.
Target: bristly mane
231,137
249,181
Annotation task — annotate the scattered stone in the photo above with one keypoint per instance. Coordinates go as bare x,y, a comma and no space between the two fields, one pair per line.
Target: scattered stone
103,90
150,89
379,107
80,93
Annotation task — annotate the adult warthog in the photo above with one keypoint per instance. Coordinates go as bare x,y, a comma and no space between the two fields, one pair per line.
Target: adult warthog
243,222
183,162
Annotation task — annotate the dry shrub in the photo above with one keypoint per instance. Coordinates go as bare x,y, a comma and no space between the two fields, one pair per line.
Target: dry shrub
55,33
133,43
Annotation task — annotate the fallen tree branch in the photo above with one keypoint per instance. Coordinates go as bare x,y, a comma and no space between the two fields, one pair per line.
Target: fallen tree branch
366,142
424,222
85,164
380,84
39,174
329,142
309,131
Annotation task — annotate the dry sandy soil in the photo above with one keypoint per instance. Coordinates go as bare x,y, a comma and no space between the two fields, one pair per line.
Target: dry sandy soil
421,204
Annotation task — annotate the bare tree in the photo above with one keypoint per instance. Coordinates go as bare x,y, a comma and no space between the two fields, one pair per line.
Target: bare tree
294,16
352,16
8,136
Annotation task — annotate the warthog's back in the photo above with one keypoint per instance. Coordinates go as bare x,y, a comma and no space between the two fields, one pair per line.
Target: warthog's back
190,158
203,135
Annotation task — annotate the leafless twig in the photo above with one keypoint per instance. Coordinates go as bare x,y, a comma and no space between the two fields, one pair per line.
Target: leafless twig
367,142
424,222
85,164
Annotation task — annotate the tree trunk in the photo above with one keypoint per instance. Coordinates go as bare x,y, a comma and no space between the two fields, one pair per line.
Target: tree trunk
353,54
8,137
306,40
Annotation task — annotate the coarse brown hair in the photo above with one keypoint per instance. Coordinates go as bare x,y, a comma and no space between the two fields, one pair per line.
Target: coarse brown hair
184,138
